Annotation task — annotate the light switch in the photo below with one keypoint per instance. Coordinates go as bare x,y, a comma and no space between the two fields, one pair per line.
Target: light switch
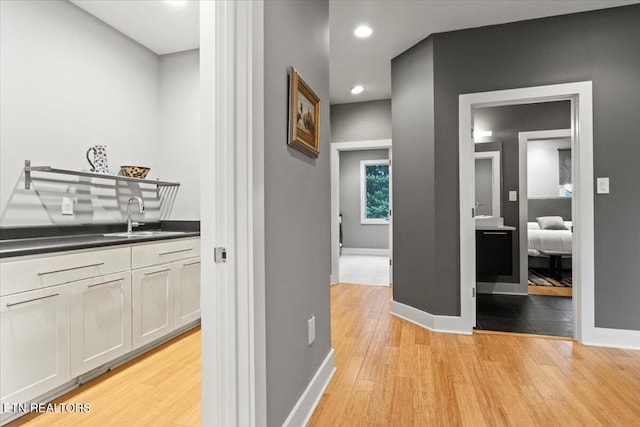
602,186
513,196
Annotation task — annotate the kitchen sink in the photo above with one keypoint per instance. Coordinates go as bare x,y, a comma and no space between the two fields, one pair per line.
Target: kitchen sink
156,233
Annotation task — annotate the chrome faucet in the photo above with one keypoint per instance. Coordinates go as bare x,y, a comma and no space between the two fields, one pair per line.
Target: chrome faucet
131,224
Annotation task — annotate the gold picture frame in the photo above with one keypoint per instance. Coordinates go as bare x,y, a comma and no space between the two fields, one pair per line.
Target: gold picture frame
304,116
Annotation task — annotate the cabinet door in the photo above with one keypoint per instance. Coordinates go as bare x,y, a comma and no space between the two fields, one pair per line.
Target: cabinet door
34,343
187,291
152,313
100,321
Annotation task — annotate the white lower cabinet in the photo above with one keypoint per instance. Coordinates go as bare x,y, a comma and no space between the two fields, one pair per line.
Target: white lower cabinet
100,321
34,343
186,291
152,313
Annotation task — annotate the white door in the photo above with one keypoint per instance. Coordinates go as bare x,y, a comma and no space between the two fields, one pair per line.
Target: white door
34,343
100,321
152,312
186,291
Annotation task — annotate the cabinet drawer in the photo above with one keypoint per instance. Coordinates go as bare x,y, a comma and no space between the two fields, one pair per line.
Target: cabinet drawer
51,270
164,252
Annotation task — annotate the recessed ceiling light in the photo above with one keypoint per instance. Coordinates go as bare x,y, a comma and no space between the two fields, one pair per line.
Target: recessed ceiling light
363,31
176,2
357,89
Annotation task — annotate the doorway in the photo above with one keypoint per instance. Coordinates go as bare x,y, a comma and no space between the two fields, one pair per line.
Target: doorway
361,224
579,94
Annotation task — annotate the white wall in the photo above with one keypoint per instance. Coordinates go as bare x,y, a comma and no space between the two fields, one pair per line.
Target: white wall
542,167
69,81
180,130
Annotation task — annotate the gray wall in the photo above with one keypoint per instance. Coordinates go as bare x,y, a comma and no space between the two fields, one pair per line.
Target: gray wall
355,234
600,46
361,121
506,122
297,206
414,224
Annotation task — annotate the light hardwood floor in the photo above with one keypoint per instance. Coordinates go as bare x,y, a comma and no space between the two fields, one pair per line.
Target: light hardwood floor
160,388
560,291
392,373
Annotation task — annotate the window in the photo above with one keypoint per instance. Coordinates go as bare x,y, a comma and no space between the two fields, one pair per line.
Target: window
374,191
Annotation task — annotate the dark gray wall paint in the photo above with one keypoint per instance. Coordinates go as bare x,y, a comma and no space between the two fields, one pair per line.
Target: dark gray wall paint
557,206
505,123
297,206
355,234
600,46
361,121
414,224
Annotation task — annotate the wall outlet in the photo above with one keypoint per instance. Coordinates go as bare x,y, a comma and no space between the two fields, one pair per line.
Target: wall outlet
513,196
312,329
67,206
602,186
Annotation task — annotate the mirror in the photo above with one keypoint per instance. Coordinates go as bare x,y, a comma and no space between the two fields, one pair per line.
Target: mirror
488,183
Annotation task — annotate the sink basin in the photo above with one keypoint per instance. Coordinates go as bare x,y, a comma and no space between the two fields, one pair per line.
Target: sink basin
156,233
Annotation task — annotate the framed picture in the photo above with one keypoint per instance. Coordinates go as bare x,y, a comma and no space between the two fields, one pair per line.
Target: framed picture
304,116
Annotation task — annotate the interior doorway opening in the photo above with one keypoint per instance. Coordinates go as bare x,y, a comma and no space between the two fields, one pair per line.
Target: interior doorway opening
361,223
580,97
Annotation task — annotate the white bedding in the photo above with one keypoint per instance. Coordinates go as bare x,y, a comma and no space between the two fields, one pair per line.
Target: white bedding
550,240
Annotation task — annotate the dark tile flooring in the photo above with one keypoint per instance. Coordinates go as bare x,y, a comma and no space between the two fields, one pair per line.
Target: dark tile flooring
531,314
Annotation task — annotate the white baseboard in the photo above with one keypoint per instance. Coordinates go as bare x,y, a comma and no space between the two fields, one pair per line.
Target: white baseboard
302,412
365,251
499,288
616,338
436,323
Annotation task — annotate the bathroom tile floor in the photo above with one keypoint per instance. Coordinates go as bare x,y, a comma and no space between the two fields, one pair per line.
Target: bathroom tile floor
531,314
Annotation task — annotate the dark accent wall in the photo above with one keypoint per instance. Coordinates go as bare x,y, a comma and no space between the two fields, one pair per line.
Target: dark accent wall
361,121
600,46
414,224
506,122
557,206
297,206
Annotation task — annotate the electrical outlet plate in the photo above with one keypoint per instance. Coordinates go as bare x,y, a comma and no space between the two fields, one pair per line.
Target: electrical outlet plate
513,196
67,206
602,186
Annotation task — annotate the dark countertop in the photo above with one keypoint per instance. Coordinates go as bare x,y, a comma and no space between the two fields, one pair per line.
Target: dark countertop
20,241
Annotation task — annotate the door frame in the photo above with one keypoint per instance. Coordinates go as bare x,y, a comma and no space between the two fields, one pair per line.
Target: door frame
580,95
523,207
336,148
232,213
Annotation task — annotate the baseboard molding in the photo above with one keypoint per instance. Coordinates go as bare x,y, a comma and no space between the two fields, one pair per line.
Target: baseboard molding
615,338
436,323
499,288
302,412
365,251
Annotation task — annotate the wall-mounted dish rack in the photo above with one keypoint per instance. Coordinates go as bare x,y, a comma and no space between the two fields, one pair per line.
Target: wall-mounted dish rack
28,169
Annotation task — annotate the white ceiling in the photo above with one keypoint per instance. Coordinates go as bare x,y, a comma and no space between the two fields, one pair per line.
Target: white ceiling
156,24
397,25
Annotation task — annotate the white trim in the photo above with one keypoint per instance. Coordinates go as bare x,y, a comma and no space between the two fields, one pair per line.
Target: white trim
233,378
436,323
496,179
523,206
363,192
365,251
499,288
580,94
303,410
335,148
617,338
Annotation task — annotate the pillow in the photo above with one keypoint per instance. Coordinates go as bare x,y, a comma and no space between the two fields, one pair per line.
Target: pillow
533,226
551,223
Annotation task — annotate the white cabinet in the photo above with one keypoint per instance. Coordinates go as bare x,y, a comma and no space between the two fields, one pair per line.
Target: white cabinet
152,303
186,291
100,321
34,343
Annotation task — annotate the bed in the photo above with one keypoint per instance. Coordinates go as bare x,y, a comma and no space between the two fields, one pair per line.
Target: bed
548,240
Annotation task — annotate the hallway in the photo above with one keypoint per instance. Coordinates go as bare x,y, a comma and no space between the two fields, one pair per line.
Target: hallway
393,373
